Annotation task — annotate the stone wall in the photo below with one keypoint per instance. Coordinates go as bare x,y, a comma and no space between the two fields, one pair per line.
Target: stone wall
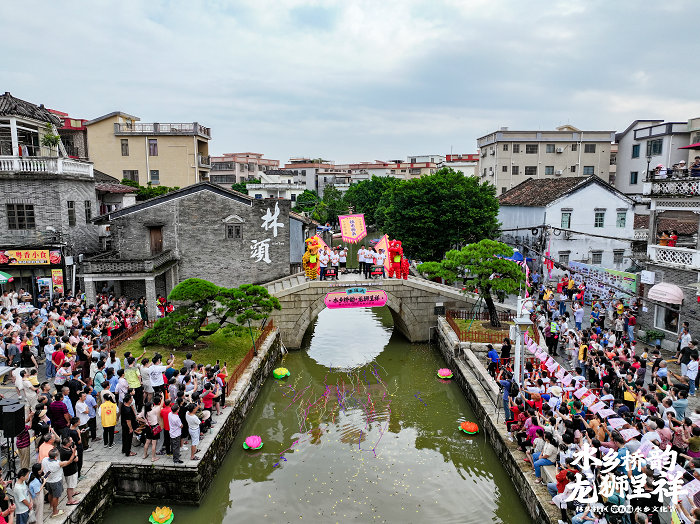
155,484
483,395
50,195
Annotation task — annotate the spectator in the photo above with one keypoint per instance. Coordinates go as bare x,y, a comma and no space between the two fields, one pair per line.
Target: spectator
69,463
193,424
128,418
108,414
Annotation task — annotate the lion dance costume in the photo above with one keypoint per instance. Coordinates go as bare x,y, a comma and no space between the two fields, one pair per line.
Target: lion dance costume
397,263
310,259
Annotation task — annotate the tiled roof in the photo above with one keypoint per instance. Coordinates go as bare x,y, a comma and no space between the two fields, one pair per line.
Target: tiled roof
11,106
684,227
113,188
539,192
101,176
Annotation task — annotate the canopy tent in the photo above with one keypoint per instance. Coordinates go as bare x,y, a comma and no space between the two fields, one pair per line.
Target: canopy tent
5,277
666,292
517,257
691,146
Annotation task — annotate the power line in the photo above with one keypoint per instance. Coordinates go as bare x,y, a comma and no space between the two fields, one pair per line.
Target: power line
544,226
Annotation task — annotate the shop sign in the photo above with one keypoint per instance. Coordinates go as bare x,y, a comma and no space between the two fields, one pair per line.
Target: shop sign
57,280
355,297
29,257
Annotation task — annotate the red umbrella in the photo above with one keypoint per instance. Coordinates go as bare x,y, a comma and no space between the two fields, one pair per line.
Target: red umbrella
691,146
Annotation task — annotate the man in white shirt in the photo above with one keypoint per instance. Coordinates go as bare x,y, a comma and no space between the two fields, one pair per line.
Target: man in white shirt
335,262
323,260
343,256
379,259
175,432
156,371
361,258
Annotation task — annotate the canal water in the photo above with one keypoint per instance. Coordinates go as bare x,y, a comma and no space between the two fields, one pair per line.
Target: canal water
362,431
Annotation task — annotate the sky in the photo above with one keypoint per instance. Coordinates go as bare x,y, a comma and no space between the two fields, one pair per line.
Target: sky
357,80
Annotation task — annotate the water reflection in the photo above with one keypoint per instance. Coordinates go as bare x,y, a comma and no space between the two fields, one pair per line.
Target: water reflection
372,439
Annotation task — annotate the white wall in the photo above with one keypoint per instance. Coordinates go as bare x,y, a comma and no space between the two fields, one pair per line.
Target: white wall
520,216
583,204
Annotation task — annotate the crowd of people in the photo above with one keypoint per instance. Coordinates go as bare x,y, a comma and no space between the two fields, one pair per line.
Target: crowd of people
678,170
608,394
333,262
85,387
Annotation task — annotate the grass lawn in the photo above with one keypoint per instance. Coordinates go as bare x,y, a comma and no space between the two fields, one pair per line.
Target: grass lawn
230,349
480,326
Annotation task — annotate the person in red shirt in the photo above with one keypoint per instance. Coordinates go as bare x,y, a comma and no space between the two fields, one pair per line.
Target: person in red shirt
674,238
562,481
58,357
164,412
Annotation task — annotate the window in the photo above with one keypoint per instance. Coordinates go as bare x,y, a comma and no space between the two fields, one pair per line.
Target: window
550,148
413,160
566,219
294,197
635,151
88,211
71,213
234,231
20,216
505,147
573,169
125,147
484,174
155,177
531,149
258,196
504,189
563,257
548,170
655,147
589,170
152,147
504,169
574,146
589,148
621,219
599,219
596,257
618,256
634,176
131,174
516,148
515,170
530,170
666,318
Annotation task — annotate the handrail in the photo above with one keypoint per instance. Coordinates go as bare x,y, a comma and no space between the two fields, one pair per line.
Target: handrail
247,359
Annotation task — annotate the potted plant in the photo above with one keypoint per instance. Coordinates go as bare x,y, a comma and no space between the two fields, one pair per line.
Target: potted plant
654,334
50,139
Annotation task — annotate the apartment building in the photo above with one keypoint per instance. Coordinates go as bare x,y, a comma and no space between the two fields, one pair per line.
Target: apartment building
234,168
644,145
73,134
508,158
467,163
173,154
276,183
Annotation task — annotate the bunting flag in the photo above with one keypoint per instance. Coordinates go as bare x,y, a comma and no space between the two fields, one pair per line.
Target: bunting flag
352,228
384,244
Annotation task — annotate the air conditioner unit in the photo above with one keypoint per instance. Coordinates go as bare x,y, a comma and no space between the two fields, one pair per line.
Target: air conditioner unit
560,150
559,172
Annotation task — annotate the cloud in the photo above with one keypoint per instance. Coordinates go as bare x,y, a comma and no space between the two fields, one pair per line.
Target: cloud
357,80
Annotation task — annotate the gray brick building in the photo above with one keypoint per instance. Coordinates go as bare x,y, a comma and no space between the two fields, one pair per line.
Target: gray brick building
200,231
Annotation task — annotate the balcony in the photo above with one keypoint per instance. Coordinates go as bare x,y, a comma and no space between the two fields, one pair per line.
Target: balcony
672,186
204,161
45,165
189,129
110,263
641,234
281,186
680,257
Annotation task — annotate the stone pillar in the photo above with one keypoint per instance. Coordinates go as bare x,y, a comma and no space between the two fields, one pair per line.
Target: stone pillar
118,288
652,240
151,298
169,280
90,294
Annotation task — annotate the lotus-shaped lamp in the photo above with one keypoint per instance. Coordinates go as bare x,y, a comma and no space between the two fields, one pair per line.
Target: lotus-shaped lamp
253,442
162,515
470,428
444,373
280,373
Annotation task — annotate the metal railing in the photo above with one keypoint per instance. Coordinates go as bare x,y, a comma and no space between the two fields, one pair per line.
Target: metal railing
469,335
191,128
248,358
124,335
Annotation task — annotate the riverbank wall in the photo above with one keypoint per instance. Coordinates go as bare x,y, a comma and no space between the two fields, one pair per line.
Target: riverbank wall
158,483
486,402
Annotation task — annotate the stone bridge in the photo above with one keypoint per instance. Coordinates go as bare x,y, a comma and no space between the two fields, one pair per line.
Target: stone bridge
412,303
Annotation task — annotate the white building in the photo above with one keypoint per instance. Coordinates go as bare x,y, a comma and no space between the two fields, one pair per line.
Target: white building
510,157
648,143
278,183
233,168
468,163
587,220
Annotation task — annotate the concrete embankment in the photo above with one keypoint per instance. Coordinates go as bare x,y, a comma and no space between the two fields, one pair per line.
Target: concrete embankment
485,399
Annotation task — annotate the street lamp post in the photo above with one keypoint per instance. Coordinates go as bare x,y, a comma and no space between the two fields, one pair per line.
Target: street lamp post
648,164
522,321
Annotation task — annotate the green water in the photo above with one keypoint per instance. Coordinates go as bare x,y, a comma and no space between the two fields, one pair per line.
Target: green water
362,431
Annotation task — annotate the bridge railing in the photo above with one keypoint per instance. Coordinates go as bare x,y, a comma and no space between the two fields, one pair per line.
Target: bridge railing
471,334
248,358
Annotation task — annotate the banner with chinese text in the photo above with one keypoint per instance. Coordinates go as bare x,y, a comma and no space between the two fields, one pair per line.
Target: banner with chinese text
384,244
597,278
352,228
20,257
355,297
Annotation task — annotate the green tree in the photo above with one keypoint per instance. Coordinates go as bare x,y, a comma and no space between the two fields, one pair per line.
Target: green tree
147,191
480,266
307,201
241,186
434,213
334,204
365,196
230,310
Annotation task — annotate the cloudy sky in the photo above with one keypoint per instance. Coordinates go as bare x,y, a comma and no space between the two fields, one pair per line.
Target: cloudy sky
357,80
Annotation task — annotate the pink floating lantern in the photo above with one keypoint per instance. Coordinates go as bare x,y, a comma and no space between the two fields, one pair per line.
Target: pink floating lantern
444,373
253,442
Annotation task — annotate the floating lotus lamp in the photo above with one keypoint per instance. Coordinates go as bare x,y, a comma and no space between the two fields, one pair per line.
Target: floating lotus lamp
444,373
162,515
280,373
253,442
470,428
